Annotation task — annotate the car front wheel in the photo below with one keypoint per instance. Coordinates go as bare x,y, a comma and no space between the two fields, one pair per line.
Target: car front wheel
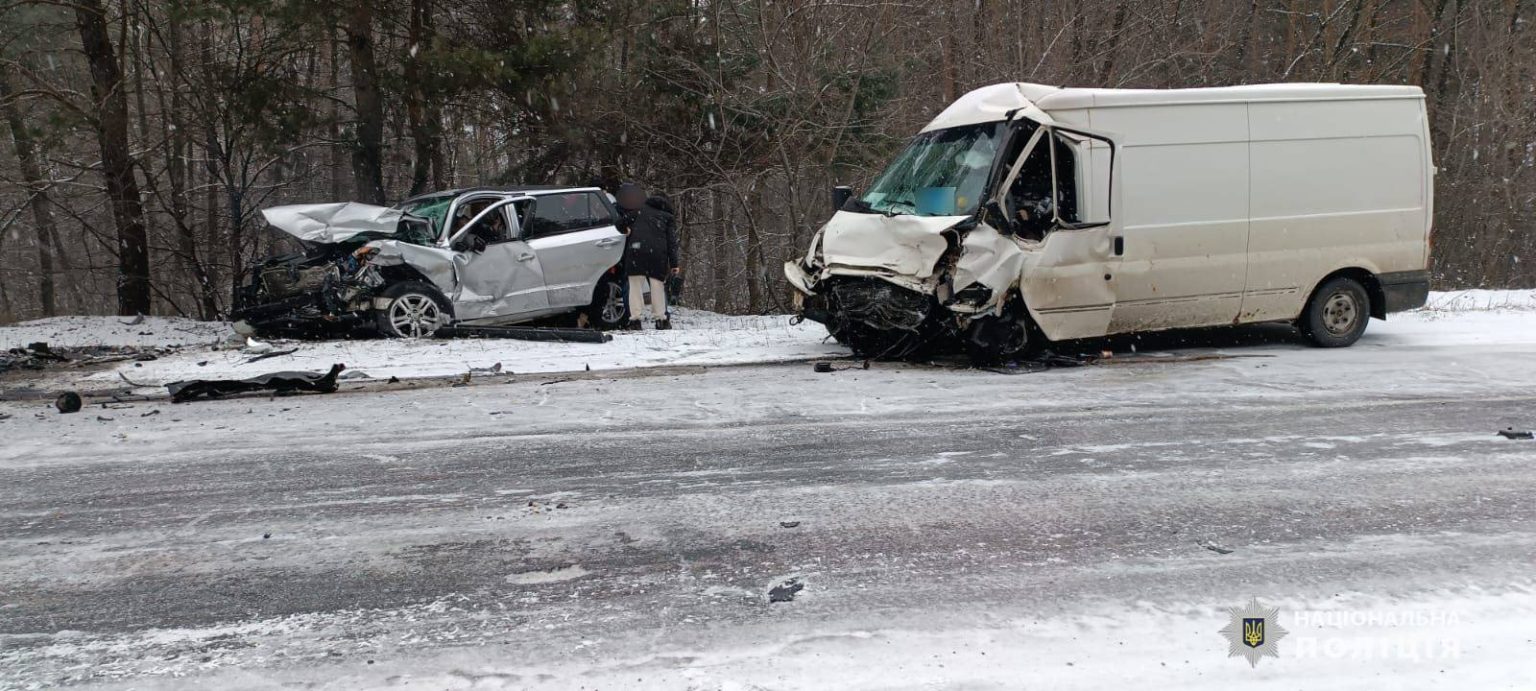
415,310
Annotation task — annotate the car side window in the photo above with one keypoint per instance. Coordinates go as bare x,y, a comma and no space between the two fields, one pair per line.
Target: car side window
553,214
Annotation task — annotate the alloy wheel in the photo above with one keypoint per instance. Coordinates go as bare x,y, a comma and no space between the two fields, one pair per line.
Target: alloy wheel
414,315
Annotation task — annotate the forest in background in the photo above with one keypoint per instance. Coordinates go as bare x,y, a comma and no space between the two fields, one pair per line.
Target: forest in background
143,137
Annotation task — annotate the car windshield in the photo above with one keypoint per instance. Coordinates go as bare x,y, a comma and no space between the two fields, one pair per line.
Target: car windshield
434,209
941,173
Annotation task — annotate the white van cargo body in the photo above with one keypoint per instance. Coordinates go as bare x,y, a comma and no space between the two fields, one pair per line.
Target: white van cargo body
1026,212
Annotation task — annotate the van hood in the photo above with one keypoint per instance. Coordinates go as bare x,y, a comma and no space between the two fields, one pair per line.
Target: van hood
328,224
908,246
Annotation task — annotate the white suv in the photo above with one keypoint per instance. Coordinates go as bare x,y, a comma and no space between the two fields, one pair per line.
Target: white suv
473,256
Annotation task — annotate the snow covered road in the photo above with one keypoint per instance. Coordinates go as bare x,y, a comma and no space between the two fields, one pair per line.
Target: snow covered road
1078,528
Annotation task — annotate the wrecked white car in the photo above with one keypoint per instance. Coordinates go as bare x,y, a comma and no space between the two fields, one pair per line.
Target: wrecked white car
1025,214
476,257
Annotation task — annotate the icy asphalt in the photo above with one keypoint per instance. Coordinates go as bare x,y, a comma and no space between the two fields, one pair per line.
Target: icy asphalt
1072,528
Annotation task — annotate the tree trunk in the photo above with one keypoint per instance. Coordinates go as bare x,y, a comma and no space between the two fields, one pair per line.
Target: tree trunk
37,194
368,154
423,115
107,90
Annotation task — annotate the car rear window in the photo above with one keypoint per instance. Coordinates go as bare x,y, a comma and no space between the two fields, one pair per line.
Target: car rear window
564,213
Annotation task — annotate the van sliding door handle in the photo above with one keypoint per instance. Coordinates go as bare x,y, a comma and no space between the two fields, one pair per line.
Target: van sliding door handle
525,257
1119,245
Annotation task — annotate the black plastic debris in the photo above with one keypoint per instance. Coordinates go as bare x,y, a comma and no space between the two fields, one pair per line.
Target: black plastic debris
786,591
789,524
35,356
825,367
1512,433
526,333
68,402
277,382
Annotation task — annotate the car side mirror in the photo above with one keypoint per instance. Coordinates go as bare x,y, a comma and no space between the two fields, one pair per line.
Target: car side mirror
840,196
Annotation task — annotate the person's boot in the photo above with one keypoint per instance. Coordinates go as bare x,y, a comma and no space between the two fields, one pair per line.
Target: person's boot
633,325
663,324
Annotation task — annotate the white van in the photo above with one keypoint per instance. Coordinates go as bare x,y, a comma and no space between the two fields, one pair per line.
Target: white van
1026,212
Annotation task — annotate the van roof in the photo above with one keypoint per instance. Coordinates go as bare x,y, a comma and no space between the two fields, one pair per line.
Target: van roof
994,103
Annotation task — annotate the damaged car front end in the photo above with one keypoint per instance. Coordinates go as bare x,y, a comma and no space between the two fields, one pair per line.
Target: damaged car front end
329,287
477,258
942,249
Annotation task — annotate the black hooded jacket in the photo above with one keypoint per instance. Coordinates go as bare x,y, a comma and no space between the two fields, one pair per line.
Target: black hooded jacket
652,249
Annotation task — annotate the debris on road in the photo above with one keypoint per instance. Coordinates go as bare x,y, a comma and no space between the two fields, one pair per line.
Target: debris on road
789,524
34,356
278,382
824,367
272,354
68,402
527,333
786,591
1214,547
1511,433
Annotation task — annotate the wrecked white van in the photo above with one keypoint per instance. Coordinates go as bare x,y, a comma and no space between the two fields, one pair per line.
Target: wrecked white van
1025,213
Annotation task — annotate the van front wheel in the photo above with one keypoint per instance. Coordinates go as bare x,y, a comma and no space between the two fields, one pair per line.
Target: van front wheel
1337,313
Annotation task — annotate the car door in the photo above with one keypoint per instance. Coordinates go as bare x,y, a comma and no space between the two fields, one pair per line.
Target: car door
574,236
501,280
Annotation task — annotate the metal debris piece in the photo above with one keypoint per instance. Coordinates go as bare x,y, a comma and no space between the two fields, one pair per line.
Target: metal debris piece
526,333
275,353
1512,433
1214,547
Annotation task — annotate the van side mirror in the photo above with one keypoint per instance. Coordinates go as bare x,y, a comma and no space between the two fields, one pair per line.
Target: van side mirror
840,196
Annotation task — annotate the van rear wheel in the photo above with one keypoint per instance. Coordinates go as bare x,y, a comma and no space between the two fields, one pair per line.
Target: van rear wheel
1337,313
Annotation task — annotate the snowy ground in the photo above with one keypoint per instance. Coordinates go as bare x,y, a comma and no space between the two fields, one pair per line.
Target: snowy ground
211,351
953,528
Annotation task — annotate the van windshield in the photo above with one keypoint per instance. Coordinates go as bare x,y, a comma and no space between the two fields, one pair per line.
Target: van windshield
941,173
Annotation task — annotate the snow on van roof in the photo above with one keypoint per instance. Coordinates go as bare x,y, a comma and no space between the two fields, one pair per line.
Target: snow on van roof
994,103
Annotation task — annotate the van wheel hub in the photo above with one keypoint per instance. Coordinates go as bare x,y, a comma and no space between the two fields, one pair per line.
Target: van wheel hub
1340,313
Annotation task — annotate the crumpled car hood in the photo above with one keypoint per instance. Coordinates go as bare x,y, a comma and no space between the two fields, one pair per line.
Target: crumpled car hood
333,223
904,245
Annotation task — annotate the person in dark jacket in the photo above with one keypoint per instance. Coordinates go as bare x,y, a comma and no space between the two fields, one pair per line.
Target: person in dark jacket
651,254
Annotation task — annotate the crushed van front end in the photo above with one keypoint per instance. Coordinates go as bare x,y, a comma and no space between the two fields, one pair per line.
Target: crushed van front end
904,286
